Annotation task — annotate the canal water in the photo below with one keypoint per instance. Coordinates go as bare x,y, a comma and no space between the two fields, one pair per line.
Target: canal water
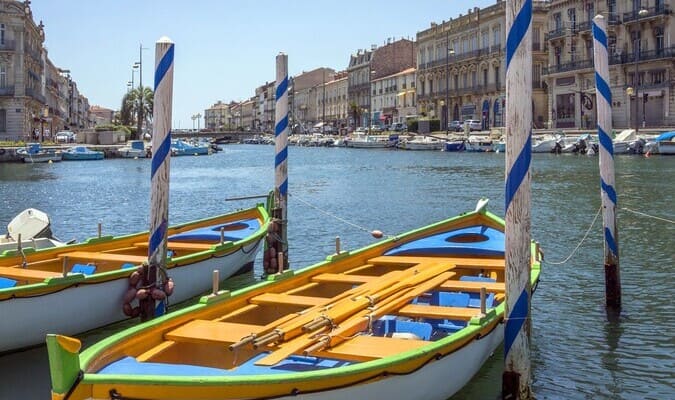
576,352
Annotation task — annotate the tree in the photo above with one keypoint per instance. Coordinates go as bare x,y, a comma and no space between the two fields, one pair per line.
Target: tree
130,108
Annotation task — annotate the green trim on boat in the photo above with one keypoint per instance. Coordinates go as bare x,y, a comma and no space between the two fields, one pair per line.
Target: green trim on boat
64,362
215,298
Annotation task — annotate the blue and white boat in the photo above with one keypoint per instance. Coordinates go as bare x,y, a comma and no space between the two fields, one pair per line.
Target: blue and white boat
182,148
662,144
82,153
133,149
455,145
34,153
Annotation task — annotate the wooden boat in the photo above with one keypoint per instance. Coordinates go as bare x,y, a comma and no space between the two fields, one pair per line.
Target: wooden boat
399,319
78,287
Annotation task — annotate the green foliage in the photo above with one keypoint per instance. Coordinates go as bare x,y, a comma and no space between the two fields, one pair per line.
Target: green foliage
412,125
434,125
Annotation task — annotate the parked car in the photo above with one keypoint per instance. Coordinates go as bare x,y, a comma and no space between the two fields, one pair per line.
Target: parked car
361,129
375,128
398,127
65,137
473,124
455,126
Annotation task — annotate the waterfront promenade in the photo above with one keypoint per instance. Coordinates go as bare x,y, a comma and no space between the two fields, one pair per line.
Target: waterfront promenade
576,352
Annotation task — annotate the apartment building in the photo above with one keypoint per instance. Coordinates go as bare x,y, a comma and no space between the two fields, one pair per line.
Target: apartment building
461,67
335,104
306,97
393,97
641,63
218,117
36,97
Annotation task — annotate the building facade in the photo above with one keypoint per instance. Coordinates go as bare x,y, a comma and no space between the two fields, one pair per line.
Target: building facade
335,103
36,98
461,67
217,117
393,97
641,63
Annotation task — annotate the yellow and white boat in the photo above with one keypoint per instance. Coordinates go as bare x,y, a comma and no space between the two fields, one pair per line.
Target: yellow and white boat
413,316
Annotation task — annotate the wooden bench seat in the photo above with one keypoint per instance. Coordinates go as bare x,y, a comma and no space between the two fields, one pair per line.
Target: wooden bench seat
459,262
469,286
205,331
438,312
288,299
27,274
366,348
343,278
97,256
181,245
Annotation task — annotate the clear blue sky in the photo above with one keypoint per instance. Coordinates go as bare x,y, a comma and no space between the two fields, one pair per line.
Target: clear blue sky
224,49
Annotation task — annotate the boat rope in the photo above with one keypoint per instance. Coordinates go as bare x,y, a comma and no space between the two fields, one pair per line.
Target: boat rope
331,215
648,216
578,245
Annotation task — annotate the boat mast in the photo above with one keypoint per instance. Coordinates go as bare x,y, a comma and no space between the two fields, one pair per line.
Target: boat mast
516,378
155,275
280,161
607,191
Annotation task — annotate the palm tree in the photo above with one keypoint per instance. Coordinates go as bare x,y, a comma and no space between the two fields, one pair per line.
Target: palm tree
130,109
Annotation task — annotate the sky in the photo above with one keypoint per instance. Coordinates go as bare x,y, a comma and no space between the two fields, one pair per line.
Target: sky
223,49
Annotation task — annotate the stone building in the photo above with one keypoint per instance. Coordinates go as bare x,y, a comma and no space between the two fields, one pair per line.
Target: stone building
217,116
35,96
462,62
639,44
305,96
336,102
393,97
367,65
100,115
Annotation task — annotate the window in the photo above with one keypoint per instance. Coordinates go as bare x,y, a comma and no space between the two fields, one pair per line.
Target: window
497,39
536,75
572,14
2,34
486,39
497,78
590,11
573,50
658,76
3,75
485,77
557,54
589,49
658,36
536,34
557,21
473,79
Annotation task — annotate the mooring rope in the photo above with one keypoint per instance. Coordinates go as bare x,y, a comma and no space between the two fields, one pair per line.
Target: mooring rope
330,214
578,245
647,215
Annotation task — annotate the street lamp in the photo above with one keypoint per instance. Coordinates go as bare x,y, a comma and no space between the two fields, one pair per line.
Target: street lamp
370,95
448,53
139,64
630,91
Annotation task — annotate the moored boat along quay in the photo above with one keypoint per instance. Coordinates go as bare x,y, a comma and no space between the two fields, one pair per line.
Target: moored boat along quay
576,351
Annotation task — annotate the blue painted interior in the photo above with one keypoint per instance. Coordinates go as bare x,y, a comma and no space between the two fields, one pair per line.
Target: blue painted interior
130,366
389,324
233,231
6,283
474,298
83,269
474,240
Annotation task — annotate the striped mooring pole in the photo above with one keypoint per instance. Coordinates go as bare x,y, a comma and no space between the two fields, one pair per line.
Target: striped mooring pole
281,157
607,192
517,374
159,196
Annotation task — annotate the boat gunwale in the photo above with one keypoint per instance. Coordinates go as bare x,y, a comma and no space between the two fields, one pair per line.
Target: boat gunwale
56,283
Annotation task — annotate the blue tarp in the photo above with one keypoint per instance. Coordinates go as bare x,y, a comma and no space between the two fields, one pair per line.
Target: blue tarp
664,137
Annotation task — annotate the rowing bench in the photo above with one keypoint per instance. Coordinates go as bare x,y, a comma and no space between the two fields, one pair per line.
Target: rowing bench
97,256
26,274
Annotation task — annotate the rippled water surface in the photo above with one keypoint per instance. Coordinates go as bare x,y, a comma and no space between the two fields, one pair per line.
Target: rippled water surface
576,353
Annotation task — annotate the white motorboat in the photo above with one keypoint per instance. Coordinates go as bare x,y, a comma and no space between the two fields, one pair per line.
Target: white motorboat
544,143
34,153
371,142
30,228
663,144
133,149
627,142
479,143
421,142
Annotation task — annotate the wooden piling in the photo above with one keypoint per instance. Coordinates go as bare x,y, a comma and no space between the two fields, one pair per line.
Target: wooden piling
281,152
516,378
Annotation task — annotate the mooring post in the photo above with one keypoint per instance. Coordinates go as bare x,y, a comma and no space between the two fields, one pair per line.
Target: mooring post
281,153
517,374
608,196
159,196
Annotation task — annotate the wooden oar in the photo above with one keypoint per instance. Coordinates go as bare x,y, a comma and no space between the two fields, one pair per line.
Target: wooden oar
402,296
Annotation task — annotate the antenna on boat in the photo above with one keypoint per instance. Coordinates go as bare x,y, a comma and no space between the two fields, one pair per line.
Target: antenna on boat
606,160
516,378
280,243
155,274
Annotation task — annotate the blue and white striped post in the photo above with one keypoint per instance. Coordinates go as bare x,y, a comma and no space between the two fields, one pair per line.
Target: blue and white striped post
517,375
607,192
281,154
159,197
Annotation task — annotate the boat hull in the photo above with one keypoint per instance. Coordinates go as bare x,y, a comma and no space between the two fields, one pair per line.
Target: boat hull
26,321
455,146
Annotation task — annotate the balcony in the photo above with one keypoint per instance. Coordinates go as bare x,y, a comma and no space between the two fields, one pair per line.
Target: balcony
7,91
652,12
8,45
583,26
556,33
570,66
647,55
35,93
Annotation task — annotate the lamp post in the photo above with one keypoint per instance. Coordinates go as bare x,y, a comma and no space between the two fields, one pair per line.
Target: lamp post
448,52
199,120
139,64
636,79
370,95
